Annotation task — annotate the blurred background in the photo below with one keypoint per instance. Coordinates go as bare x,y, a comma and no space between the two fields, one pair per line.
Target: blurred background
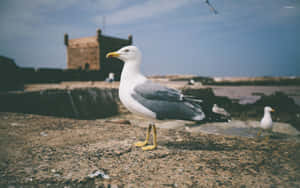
62,123
242,50
208,38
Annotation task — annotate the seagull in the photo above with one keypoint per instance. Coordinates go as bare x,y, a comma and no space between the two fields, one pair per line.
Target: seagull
218,110
266,121
191,82
149,99
211,7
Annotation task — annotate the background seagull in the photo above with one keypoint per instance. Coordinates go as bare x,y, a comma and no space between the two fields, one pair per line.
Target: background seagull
218,110
146,98
266,122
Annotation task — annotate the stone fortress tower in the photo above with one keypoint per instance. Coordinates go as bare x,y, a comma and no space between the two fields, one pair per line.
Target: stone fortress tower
88,53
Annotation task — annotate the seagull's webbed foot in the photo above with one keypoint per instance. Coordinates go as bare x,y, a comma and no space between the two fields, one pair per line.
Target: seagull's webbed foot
147,148
152,147
141,144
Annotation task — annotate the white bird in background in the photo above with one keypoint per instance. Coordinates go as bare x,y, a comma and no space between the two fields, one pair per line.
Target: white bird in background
218,110
266,122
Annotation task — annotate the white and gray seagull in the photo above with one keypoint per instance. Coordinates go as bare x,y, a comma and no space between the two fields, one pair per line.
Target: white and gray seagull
146,98
218,110
266,122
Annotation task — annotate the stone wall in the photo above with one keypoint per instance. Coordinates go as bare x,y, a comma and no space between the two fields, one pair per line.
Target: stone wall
84,58
83,53
46,75
14,78
9,75
86,103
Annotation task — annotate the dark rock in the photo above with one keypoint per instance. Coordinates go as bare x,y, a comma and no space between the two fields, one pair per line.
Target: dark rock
87,103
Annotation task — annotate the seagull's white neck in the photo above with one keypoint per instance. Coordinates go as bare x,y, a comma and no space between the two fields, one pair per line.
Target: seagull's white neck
131,71
267,114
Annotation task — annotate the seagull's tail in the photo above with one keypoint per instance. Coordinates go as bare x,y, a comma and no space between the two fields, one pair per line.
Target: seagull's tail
195,105
192,99
203,112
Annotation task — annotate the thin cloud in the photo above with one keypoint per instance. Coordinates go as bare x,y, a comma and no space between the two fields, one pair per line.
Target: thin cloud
142,11
104,4
288,7
22,18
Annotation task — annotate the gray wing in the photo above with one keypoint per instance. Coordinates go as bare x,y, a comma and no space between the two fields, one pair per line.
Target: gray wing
167,103
154,91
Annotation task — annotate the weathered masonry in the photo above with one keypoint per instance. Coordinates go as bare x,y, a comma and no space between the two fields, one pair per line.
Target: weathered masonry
88,53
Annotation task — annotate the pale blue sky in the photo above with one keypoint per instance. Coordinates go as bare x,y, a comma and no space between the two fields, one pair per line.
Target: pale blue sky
246,38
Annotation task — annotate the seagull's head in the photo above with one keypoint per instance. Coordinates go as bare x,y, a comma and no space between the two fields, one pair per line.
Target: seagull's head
269,109
127,54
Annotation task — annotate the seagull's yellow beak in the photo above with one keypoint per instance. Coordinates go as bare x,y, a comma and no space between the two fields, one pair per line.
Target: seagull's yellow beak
272,110
112,54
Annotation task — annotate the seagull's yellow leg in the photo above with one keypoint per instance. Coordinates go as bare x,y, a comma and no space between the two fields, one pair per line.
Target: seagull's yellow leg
152,147
140,144
267,138
259,133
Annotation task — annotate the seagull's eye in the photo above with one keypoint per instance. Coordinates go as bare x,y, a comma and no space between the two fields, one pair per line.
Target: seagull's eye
126,50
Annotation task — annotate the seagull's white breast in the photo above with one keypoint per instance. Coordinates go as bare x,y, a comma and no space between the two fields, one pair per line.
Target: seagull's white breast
126,89
266,121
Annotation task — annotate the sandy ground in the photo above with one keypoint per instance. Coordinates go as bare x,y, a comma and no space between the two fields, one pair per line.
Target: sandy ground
44,151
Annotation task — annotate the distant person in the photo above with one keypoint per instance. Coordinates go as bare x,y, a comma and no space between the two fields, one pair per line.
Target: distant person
191,82
110,78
